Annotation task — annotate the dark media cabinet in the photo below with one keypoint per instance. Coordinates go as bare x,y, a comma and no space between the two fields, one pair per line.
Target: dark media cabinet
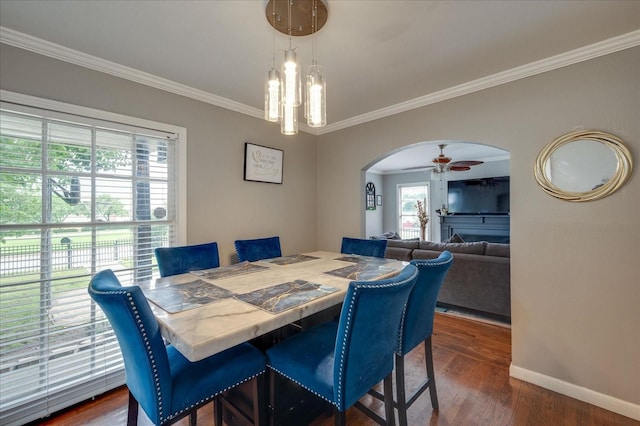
494,228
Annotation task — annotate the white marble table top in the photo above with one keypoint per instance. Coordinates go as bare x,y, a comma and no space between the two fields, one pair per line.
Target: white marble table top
202,330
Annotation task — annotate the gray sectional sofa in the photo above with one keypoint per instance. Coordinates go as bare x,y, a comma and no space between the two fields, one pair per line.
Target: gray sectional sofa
479,279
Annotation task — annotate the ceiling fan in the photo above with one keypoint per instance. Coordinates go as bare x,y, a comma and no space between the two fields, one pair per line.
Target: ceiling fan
442,163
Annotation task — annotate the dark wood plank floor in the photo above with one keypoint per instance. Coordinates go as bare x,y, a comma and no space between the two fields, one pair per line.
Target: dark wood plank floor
471,360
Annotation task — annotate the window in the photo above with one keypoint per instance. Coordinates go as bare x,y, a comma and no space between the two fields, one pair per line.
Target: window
77,195
408,196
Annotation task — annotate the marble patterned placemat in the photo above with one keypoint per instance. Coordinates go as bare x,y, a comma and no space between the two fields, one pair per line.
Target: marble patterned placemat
354,258
289,260
180,297
361,272
228,271
281,297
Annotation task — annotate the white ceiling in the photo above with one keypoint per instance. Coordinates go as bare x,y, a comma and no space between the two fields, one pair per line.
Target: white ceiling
419,157
381,56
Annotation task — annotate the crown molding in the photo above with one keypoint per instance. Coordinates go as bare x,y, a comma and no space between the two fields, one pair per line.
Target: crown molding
592,51
52,50
56,51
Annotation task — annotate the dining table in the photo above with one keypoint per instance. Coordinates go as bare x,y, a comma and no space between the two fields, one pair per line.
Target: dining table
204,312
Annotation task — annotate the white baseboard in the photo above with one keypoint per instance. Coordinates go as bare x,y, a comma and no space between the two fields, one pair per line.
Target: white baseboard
580,393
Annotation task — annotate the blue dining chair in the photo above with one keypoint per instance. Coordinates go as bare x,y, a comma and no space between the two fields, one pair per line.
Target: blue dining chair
375,248
417,328
340,361
258,249
178,260
164,383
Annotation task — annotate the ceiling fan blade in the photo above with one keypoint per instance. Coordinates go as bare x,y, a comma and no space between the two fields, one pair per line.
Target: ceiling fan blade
419,168
466,163
459,168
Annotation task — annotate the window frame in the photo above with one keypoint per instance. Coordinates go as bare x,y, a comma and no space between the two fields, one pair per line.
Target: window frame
53,400
399,210
65,111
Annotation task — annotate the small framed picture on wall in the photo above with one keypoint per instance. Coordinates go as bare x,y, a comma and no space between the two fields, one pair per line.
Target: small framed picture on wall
262,164
379,200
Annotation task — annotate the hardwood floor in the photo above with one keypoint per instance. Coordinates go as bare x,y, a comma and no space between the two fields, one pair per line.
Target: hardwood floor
471,360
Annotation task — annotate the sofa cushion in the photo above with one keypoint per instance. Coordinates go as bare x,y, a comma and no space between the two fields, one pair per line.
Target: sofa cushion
476,247
398,253
426,254
497,249
408,244
429,245
481,283
479,279
455,238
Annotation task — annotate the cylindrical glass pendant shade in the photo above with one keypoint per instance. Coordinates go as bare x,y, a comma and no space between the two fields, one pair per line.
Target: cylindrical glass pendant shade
291,79
316,102
272,96
289,123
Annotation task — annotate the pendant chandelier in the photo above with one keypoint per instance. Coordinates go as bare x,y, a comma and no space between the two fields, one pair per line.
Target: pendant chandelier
283,94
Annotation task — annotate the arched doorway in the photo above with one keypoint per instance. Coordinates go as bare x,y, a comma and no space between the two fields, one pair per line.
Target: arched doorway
412,165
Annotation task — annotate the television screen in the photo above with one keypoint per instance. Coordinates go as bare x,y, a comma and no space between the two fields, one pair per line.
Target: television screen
479,196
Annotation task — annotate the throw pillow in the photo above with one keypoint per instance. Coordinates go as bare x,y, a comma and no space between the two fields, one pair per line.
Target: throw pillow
455,238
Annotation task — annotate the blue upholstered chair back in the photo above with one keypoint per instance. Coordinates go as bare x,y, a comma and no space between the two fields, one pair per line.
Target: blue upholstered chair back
368,334
375,248
145,357
418,320
178,260
261,248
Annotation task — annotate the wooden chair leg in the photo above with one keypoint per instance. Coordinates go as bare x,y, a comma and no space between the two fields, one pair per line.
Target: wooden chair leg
428,357
259,398
193,418
339,417
132,415
389,412
401,395
217,412
272,397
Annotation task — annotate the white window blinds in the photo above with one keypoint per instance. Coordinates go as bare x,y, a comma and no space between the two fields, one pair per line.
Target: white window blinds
76,196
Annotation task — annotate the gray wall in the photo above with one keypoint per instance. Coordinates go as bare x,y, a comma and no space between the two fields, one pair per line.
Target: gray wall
575,269
221,206
575,295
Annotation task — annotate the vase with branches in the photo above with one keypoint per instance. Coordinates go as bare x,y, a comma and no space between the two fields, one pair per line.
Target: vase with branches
423,218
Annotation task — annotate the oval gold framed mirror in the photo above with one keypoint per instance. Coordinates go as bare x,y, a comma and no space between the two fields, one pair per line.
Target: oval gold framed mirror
584,165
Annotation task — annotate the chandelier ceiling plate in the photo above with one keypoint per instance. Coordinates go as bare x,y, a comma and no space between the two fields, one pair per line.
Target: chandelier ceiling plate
302,19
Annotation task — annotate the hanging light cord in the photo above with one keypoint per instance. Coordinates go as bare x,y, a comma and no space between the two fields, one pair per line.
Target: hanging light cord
273,24
289,21
314,26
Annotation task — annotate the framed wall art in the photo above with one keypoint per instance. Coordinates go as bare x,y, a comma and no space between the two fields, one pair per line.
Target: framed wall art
262,164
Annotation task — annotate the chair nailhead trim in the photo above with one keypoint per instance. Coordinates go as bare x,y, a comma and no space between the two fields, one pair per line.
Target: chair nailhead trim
420,264
211,397
401,331
302,385
357,286
143,331
147,345
431,262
